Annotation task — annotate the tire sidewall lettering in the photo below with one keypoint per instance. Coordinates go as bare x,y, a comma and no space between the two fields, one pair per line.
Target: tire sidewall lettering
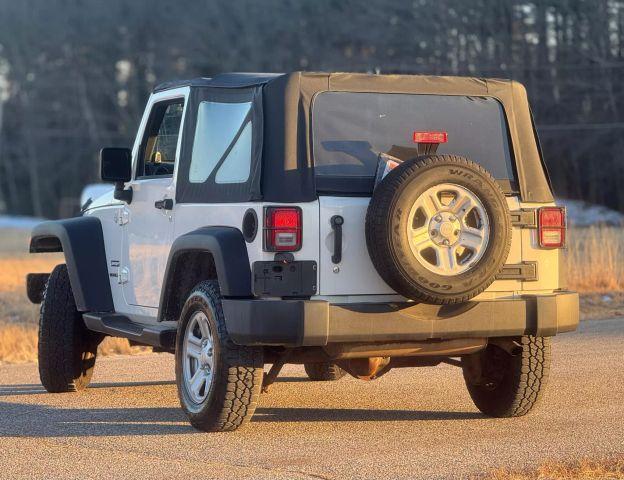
407,187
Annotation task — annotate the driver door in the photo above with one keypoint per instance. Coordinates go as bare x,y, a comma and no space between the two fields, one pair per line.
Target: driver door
148,219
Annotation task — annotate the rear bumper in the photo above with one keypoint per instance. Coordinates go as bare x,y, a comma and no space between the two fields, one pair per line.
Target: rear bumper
317,323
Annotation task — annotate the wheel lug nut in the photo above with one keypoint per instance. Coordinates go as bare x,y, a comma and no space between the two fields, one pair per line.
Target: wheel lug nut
446,242
452,218
456,232
434,233
438,218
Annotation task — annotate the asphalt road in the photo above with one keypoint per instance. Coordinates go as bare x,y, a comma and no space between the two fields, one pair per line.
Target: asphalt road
411,423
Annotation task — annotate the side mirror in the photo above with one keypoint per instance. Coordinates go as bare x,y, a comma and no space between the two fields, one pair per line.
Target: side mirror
116,167
116,164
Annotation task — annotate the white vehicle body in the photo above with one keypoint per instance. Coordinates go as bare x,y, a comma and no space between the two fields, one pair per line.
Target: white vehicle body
138,238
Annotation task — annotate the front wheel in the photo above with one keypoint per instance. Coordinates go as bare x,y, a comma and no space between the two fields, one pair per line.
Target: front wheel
506,385
218,381
67,350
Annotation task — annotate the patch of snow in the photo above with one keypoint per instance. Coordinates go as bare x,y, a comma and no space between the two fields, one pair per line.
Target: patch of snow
17,222
583,214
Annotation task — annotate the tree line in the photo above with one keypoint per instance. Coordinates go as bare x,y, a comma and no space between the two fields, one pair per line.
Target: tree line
75,74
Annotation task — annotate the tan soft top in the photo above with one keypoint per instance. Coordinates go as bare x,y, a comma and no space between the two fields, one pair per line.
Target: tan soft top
534,186
284,170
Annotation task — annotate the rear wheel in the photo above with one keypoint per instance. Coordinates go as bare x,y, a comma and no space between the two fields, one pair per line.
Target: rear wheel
324,372
218,381
505,385
67,350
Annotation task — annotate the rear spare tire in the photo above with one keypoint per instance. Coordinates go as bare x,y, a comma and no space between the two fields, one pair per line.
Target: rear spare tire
438,229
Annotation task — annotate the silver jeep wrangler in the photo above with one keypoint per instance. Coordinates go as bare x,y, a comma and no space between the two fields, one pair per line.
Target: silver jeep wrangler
350,223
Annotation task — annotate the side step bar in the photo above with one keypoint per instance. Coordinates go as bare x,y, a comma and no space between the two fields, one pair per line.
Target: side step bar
116,325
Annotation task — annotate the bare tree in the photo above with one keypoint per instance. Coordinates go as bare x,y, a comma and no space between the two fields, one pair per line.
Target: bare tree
79,72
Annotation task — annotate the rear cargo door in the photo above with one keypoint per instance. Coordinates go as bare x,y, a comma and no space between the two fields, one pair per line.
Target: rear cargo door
353,273
350,130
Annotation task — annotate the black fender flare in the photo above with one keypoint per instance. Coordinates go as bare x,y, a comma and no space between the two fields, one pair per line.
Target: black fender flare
82,241
231,262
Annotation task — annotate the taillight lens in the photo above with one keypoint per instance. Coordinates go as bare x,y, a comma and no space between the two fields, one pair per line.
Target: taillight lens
551,227
282,229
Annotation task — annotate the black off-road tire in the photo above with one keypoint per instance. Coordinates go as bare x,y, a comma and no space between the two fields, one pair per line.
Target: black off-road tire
238,370
386,226
67,350
324,372
510,386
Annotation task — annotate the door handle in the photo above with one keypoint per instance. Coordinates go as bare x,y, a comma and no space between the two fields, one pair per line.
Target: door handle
164,204
336,224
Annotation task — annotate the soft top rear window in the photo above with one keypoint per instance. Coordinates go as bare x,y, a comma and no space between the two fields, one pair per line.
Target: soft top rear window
350,130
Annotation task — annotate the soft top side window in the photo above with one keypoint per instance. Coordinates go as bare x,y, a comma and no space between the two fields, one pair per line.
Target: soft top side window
157,155
222,144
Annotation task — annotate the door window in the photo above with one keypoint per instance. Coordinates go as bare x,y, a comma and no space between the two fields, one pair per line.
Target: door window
158,149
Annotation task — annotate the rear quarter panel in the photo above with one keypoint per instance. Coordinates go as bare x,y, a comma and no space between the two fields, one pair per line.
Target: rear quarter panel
190,216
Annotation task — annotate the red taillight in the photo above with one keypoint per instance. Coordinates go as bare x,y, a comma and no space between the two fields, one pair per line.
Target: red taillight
551,227
282,229
430,137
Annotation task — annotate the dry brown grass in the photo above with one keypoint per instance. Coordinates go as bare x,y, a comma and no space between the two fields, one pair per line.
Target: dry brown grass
16,262
15,308
13,270
19,317
585,469
595,257
18,344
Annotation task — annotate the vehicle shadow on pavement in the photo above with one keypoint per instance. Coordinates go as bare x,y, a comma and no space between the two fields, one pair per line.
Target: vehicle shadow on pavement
41,420
131,384
291,379
21,389
36,420
296,414
37,389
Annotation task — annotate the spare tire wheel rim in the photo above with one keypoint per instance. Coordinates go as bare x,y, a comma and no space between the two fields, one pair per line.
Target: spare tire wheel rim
198,357
448,229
